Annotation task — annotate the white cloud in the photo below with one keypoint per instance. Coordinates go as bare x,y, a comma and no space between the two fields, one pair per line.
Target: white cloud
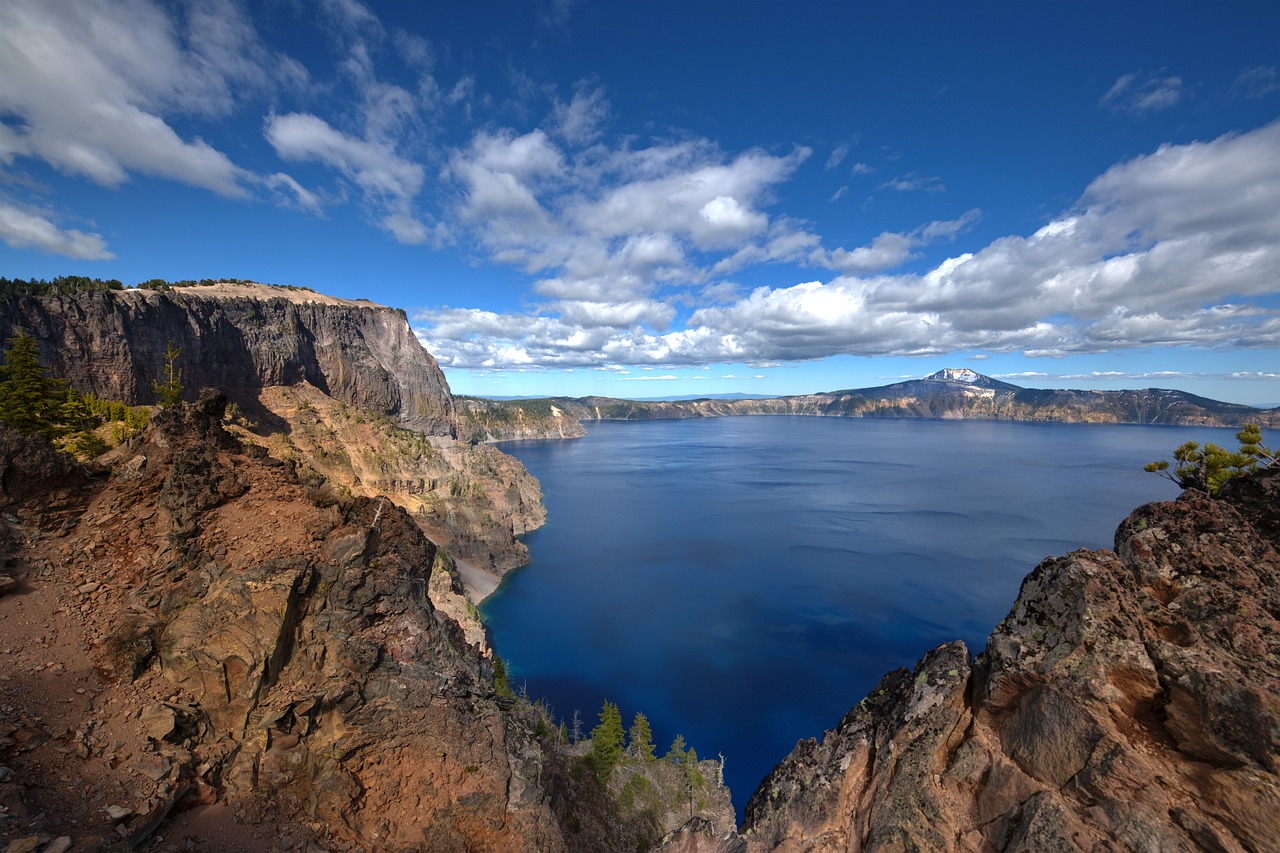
582,120
911,182
1255,82
891,249
85,85
608,227
711,203
406,229
1140,93
26,230
296,196
1169,249
388,181
841,151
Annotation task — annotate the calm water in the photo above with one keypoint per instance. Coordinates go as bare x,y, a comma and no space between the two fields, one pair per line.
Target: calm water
745,581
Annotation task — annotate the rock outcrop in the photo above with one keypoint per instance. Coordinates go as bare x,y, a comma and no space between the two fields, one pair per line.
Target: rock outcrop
238,338
1128,702
288,659
473,500
341,386
211,644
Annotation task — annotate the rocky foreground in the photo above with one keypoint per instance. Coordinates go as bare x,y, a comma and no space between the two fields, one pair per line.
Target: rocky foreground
205,648
200,649
1130,701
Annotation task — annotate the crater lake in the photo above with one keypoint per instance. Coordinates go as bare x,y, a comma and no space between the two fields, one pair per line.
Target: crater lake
746,581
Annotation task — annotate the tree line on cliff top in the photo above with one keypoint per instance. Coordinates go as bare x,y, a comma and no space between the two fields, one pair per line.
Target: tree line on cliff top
67,285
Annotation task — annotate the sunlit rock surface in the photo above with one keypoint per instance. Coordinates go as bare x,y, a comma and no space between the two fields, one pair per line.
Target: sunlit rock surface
1129,701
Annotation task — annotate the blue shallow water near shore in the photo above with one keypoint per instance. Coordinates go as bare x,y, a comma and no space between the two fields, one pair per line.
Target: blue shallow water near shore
745,581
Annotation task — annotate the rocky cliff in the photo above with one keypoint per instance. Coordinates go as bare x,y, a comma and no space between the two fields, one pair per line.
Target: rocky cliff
1128,702
239,338
341,386
959,394
246,642
203,642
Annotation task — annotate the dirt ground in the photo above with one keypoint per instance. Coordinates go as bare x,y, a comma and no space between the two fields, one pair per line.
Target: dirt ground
80,768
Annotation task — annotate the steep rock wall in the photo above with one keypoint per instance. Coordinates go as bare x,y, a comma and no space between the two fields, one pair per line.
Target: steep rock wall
238,339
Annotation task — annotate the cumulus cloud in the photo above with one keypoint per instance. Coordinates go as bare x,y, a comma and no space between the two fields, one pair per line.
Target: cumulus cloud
85,85
388,181
1178,247
712,203
24,229
608,227
891,249
1141,92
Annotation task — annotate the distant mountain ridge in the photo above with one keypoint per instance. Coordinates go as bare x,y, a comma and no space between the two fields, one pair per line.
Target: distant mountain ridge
951,393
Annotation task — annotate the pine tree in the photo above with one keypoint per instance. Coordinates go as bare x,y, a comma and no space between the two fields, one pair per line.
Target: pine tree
640,738
1208,468
30,402
501,685
169,392
677,751
693,778
606,741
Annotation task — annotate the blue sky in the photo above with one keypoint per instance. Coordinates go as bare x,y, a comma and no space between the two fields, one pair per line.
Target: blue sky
575,197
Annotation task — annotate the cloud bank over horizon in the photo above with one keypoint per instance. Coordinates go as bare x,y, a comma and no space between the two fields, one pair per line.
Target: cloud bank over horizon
1174,248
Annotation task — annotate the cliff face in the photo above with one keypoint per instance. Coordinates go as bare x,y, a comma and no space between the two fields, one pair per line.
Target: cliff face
473,500
1129,701
204,642
251,644
341,386
239,339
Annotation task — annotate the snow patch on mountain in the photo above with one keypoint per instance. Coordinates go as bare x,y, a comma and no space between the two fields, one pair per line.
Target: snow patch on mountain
961,374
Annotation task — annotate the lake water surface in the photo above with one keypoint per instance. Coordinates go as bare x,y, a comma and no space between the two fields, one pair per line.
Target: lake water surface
745,581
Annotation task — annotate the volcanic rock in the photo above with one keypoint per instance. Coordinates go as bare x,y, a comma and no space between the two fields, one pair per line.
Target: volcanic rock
1128,702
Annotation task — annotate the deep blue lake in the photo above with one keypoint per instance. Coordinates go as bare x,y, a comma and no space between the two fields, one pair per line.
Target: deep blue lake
745,581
